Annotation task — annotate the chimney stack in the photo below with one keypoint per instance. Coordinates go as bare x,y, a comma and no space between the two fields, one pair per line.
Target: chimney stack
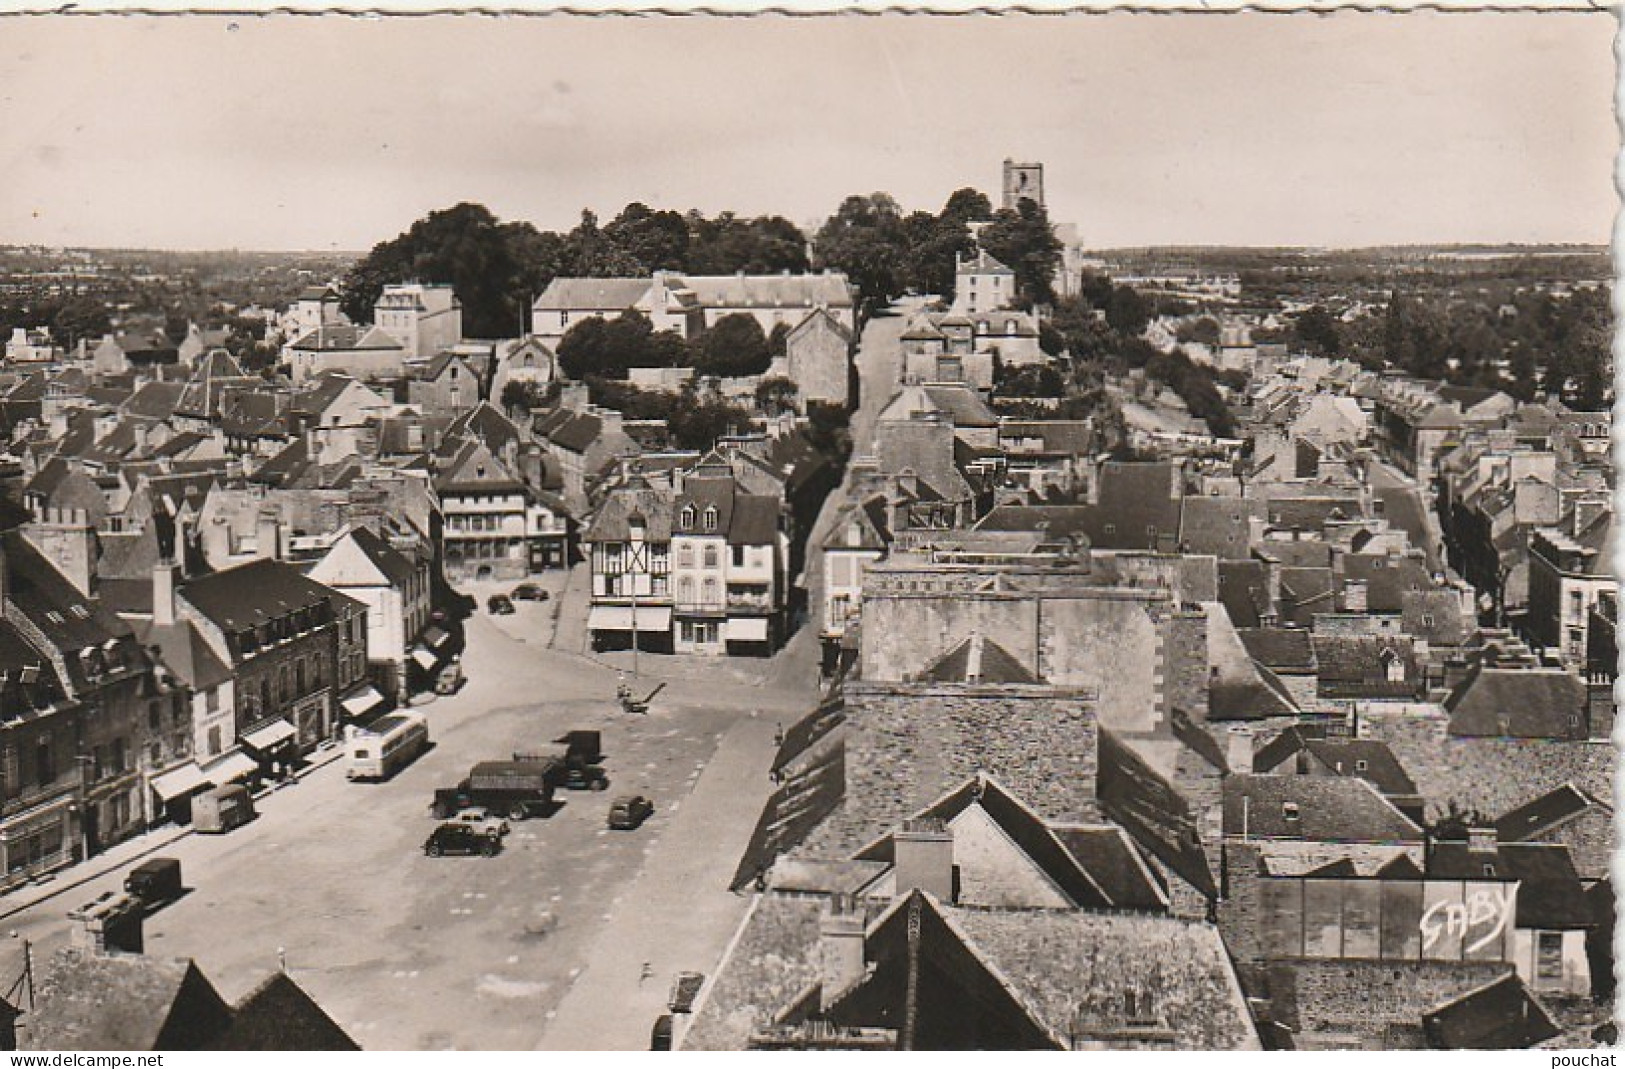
923,857
163,593
112,924
840,947
268,535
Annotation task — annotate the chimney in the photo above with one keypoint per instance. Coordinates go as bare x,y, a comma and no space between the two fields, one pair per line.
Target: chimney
163,593
840,947
109,925
1481,840
923,857
268,535
1354,595
1238,751
1600,709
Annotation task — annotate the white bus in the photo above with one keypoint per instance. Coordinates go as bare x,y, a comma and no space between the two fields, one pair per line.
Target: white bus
378,750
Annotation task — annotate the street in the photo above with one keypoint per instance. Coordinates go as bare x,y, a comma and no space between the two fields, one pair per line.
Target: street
411,952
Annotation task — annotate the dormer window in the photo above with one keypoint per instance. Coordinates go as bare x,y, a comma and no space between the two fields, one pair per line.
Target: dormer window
688,516
1289,811
710,521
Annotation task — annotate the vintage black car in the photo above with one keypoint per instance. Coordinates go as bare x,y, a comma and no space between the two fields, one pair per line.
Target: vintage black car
529,592
155,880
499,605
460,838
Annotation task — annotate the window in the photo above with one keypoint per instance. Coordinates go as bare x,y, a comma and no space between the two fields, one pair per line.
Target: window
739,556
1289,811
44,765
710,556
1111,528
710,590
687,517
1548,956
154,716
1361,766
710,520
685,555
214,741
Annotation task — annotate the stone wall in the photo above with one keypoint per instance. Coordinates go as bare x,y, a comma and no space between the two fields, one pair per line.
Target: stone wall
1364,999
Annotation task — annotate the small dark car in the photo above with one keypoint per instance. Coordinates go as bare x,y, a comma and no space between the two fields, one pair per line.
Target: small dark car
629,811
155,880
460,838
660,1034
529,592
499,605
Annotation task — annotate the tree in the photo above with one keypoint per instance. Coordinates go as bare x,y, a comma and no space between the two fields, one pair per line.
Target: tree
935,243
1203,330
609,347
734,346
1126,312
776,395
1316,331
697,423
778,340
655,240
463,246
1023,240
864,238
522,395
595,254
765,245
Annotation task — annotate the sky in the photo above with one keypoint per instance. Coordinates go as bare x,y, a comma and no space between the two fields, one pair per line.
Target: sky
335,133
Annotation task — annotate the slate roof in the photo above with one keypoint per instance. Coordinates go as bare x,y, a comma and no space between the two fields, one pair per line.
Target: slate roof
391,562
279,1015
1284,650
183,651
654,503
1356,666
1108,855
1024,828
255,593
1501,1015
592,294
575,431
1153,812
474,469
1216,525
800,804
155,400
1387,578
769,291
1244,592
1258,695
1327,809
19,698
993,663
1367,759
1524,703
124,1002
345,337
1541,815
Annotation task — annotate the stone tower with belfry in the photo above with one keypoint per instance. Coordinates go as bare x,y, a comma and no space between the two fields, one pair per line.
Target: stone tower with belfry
1023,180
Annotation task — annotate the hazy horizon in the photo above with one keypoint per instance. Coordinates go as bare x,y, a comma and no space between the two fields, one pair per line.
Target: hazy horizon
328,135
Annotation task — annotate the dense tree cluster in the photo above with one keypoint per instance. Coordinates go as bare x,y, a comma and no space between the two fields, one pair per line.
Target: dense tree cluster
887,253
1538,343
609,348
498,267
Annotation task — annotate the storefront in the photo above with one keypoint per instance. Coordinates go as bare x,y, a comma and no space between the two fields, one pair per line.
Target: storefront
273,745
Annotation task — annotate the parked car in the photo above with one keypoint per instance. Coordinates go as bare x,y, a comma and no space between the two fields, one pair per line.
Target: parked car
529,592
449,679
155,880
660,1034
629,811
481,820
499,605
454,837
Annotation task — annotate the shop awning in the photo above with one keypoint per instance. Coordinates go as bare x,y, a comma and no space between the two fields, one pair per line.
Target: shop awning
435,637
424,658
269,736
233,766
747,629
619,618
178,782
362,701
